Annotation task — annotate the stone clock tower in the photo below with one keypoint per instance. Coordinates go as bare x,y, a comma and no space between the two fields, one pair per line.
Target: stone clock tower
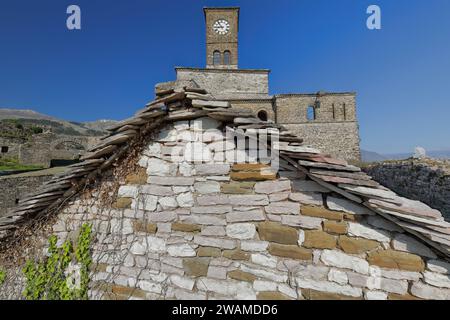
222,26
325,120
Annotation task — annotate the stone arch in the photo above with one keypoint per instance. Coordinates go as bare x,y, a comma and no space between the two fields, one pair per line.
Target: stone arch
66,151
69,145
263,115
217,58
227,57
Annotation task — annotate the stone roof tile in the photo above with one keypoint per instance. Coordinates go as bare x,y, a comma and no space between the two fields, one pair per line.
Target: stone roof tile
173,104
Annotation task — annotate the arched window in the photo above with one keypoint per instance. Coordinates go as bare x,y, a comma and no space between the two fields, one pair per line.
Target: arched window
217,57
227,58
311,113
262,115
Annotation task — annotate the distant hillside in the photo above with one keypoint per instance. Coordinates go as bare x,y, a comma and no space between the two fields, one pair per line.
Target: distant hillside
370,156
23,114
21,123
99,125
443,154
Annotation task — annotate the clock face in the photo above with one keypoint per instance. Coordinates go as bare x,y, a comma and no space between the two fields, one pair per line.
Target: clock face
221,27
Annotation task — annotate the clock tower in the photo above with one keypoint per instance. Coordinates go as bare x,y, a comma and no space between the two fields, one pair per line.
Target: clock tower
222,26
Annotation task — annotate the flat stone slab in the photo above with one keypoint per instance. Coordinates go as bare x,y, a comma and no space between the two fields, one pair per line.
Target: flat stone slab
171,181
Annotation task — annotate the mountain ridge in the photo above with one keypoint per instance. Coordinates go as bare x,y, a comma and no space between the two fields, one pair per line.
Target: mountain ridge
98,127
57,125
370,156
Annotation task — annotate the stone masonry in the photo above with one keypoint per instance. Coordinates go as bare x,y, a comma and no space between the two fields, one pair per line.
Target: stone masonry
426,180
212,229
16,187
41,149
175,216
325,120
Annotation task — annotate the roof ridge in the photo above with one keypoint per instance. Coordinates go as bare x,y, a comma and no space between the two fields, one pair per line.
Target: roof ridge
336,175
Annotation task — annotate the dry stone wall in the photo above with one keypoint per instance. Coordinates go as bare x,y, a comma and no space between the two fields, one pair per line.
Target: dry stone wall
40,149
426,180
15,188
183,229
10,147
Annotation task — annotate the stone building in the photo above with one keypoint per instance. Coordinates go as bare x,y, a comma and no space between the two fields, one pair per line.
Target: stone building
325,120
176,215
45,149
193,198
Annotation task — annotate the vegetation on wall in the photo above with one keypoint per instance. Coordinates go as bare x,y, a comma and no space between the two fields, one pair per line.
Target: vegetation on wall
25,128
19,128
64,273
2,276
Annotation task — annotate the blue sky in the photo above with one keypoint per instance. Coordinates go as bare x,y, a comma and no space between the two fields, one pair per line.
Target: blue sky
109,68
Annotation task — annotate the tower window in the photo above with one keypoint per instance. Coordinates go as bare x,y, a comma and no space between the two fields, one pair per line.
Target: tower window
227,58
5,149
311,113
344,111
217,57
262,115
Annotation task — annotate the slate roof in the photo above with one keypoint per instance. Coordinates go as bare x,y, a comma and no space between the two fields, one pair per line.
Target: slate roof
176,104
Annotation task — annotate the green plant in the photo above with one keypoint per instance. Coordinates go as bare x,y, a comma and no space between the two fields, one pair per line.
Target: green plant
13,164
37,130
2,276
52,279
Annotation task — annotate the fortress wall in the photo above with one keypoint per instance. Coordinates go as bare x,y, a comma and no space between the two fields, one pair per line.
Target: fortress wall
16,187
425,180
335,128
333,107
13,145
42,148
340,139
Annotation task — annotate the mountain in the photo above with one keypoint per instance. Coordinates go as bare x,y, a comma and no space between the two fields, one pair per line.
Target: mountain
100,125
16,119
6,113
370,156
436,154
